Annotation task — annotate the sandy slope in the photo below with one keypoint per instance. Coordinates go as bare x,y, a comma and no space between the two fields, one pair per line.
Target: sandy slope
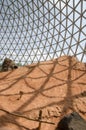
56,87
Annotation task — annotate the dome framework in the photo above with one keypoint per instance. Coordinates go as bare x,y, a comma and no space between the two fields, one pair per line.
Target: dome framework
38,30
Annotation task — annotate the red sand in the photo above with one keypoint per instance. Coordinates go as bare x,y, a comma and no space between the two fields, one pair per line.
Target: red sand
56,87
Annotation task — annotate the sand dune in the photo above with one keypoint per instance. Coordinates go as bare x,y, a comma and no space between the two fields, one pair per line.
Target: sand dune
56,87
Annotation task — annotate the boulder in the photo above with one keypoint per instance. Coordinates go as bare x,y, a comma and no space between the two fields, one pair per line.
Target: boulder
72,121
8,64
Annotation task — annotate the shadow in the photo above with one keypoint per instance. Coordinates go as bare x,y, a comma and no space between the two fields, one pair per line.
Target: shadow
42,80
16,80
68,100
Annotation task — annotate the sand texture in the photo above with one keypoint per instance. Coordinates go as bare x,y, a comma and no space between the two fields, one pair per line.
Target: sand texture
56,87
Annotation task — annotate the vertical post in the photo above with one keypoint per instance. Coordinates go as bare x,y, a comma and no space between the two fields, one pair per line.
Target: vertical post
40,117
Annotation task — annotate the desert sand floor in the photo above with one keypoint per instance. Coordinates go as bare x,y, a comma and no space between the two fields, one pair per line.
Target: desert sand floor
56,87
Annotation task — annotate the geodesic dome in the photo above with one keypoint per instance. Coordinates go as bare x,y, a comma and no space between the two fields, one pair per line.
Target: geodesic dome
39,30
